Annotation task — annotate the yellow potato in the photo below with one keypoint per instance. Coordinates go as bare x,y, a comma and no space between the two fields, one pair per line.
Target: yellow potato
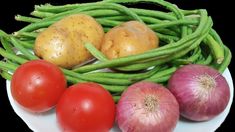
129,38
63,42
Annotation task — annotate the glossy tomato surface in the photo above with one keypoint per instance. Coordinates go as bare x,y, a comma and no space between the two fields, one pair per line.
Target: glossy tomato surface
86,107
37,85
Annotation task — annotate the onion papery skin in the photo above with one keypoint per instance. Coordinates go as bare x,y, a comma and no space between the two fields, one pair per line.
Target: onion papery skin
134,115
197,102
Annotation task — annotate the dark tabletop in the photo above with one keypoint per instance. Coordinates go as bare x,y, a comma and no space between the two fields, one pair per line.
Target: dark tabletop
221,12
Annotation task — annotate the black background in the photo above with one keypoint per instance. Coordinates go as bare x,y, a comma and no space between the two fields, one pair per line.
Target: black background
221,12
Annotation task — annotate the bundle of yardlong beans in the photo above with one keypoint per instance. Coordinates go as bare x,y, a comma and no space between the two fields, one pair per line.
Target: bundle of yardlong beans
186,37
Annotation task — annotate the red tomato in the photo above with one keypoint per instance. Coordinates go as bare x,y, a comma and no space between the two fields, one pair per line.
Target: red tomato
37,85
86,107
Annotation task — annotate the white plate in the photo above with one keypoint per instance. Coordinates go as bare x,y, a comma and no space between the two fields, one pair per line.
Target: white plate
46,122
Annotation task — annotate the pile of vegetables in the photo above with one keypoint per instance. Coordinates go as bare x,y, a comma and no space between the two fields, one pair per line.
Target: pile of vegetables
119,48
186,37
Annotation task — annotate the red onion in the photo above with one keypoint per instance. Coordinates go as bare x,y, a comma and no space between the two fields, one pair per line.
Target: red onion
202,92
147,107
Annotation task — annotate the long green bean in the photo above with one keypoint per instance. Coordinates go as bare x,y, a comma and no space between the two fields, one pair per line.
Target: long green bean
131,76
165,72
226,60
27,44
63,8
26,34
111,88
11,56
26,19
7,66
99,79
7,45
5,75
41,15
159,80
189,60
36,26
207,61
216,49
22,49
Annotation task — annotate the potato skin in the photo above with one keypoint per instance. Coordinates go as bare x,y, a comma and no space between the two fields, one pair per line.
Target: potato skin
63,42
129,38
